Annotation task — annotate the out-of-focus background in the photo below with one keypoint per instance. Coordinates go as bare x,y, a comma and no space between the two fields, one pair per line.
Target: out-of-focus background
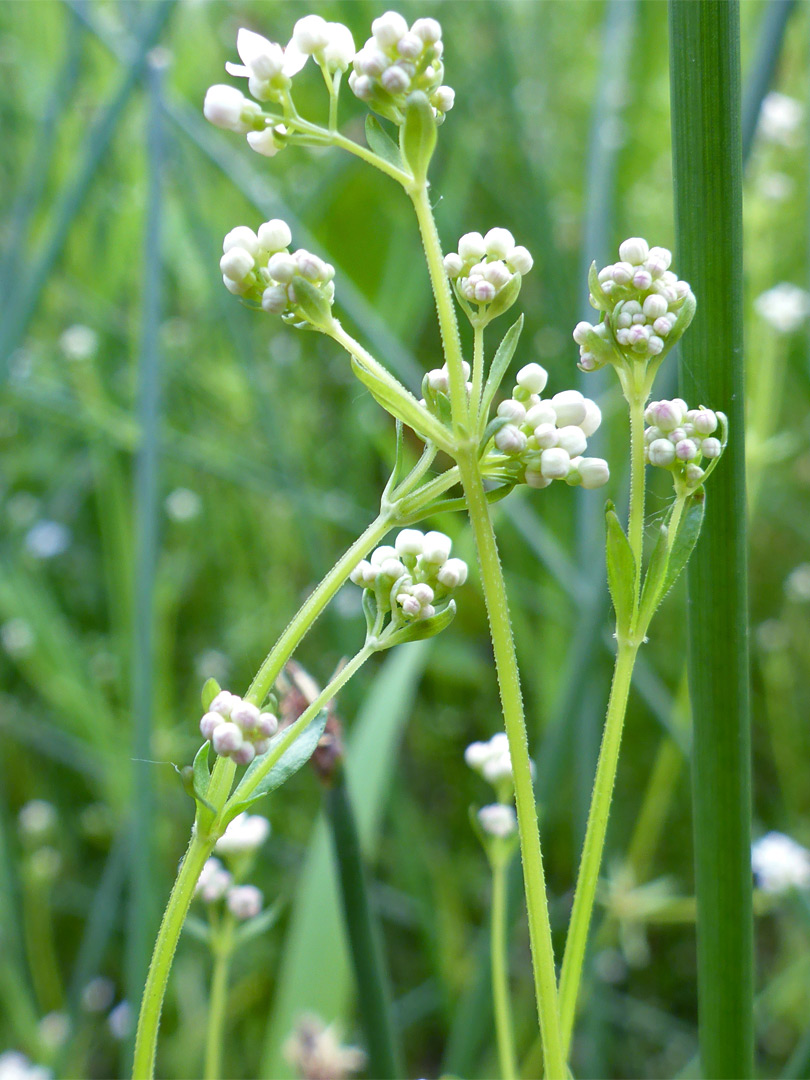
176,472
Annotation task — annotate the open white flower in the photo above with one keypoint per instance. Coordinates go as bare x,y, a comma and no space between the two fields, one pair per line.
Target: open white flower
264,62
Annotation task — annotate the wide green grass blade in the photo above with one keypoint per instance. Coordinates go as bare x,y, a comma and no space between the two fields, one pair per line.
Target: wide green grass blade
771,34
707,148
316,941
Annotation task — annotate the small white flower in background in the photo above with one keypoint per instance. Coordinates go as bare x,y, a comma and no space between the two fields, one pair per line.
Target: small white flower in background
484,266
212,664
780,119
16,1066
53,1030
47,539
244,901
491,759
316,1052
120,1020
498,819
797,585
397,60
785,307
679,438
214,881
246,832
183,504
17,638
780,863
79,342
98,995
37,819
237,728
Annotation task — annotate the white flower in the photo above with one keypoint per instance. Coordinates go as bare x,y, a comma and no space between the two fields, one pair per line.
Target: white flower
16,1066
182,504
213,882
79,342
780,863
780,118
311,34
244,901
228,108
265,142
47,539
498,820
532,377
785,307
263,60
36,819
120,1020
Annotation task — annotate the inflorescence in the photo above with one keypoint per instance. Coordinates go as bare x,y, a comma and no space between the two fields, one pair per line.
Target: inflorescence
646,308
237,729
485,267
679,438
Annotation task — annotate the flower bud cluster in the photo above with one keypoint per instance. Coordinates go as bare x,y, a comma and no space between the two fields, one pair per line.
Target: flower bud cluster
215,882
237,728
416,574
397,60
484,266
643,299
498,820
260,267
544,439
679,438
491,759
245,833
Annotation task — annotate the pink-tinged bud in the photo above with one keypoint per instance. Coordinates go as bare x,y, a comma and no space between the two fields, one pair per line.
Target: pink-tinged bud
513,410
705,421
244,901
209,724
453,573
661,452
711,448
686,450
581,332
246,715
642,279
510,440
227,738
223,703
423,593
634,251
484,292
245,754
267,724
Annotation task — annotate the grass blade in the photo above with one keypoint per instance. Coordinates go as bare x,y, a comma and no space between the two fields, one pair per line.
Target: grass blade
707,147
773,24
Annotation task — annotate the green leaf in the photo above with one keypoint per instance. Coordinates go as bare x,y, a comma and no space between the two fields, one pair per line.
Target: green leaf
209,691
370,608
399,457
621,569
402,405
312,302
417,136
201,773
423,628
651,595
601,300
258,925
686,538
381,142
297,754
500,362
505,298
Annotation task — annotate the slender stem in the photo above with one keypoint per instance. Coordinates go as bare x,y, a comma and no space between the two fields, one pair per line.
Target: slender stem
477,369
448,323
362,152
199,849
635,525
223,951
500,974
545,978
594,840
314,605
437,486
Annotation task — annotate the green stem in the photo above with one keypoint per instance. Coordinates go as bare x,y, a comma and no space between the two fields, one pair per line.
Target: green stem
500,974
223,950
448,323
314,605
545,978
351,147
635,525
477,371
143,1067
594,839
437,486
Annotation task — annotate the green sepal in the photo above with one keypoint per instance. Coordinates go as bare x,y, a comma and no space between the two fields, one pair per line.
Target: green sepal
258,925
312,303
681,324
505,298
292,759
601,300
417,136
621,571
370,609
399,457
209,691
381,142
420,629
201,773
500,363
197,928
402,405
186,775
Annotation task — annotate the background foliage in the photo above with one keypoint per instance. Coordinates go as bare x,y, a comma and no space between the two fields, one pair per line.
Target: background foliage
149,541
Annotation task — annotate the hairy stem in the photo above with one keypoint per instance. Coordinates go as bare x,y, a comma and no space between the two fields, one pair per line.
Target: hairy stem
218,999
500,974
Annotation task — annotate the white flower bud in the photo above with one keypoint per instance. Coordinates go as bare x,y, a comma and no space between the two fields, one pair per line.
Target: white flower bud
453,573
362,87
410,46
236,263
227,738
655,345
409,604
246,715
594,472
498,820
535,479
242,237
569,407
572,439
472,246
484,292
545,435
438,380
453,265
593,418
208,724
282,267
392,568
532,377
622,273
244,901
780,863
274,235
409,542
238,288
541,413
423,593
498,767
223,703
310,266
555,463
510,440
428,30
267,725
436,548
246,832
389,28
661,452
658,261
634,251
383,552
357,576
476,754
245,754
497,273
520,260
512,409
654,306
444,98
686,450
225,106
274,299
395,79
711,447
704,421
339,50
311,34
694,474
264,142
498,243
213,881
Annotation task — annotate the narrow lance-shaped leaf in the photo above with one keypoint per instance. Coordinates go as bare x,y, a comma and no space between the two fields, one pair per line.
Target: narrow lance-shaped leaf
500,363
296,755
621,570
381,142
417,136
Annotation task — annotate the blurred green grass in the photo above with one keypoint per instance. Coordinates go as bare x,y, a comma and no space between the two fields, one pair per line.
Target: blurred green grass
284,456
